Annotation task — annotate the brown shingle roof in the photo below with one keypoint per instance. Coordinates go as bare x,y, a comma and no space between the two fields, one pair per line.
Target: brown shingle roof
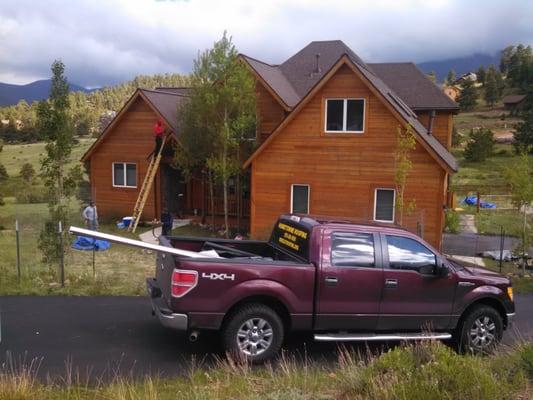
166,103
513,98
273,76
412,85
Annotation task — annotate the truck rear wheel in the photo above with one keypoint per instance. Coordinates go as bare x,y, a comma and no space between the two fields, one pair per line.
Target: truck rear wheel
480,331
253,333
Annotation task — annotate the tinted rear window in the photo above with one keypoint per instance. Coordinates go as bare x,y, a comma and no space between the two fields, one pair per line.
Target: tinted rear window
352,249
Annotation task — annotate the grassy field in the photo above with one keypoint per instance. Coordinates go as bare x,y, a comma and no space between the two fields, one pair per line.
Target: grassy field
14,156
120,270
414,372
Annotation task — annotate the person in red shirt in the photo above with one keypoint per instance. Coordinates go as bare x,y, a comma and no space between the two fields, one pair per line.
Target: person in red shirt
159,131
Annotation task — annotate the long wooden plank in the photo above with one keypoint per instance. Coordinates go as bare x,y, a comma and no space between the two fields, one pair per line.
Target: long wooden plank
73,230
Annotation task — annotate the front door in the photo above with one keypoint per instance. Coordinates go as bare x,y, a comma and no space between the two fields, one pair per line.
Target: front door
173,190
412,299
350,281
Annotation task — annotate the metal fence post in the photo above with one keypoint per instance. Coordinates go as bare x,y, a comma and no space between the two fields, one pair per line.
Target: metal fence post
62,255
18,248
502,241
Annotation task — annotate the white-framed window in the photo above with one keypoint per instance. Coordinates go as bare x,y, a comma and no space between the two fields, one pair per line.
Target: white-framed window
300,198
345,116
384,200
124,174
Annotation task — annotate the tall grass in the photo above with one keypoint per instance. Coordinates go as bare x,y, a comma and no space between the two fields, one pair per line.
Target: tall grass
420,371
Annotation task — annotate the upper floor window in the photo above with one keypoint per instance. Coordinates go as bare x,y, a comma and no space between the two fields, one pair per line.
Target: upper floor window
300,199
125,175
345,115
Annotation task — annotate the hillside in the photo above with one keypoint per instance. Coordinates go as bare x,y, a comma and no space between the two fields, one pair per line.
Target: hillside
11,94
460,65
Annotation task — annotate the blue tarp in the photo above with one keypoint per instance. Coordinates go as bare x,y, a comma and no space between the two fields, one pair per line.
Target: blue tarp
86,243
472,201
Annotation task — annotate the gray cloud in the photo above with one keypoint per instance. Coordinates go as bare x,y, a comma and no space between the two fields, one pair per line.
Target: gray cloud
104,42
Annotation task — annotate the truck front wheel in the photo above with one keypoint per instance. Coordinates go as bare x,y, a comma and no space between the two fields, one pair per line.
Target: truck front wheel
480,331
253,333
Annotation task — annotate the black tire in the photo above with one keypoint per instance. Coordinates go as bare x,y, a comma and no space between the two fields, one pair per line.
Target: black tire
480,331
253,333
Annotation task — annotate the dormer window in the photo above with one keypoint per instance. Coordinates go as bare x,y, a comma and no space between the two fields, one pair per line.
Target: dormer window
345,115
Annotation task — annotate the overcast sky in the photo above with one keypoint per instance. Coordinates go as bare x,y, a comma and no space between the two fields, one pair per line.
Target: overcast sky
107,41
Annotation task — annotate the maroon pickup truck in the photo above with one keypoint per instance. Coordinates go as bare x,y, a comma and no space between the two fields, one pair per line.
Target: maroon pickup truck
340,280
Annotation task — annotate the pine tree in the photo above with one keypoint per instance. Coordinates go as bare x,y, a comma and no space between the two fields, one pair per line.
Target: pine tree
450,78
481,75
468,97
57,131
523,137
480,145
432,76
491,94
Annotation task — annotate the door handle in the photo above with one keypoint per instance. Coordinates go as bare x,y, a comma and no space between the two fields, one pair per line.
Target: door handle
391,283
331,280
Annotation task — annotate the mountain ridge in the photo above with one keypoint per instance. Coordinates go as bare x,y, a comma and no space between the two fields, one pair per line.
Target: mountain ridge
11,94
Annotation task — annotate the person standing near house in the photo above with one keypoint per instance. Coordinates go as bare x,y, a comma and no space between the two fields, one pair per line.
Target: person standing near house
90,215
166,221
159,131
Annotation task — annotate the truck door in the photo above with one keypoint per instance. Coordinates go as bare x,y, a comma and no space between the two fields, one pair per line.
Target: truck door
413,299
350,281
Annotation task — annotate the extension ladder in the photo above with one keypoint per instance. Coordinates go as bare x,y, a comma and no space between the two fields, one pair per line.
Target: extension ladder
145,188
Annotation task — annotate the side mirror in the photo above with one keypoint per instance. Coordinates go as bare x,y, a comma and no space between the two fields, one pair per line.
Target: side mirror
436,271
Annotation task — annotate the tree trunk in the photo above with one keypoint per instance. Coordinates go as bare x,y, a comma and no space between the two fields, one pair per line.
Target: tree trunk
204,205
212,200
524,244
239,199
225,188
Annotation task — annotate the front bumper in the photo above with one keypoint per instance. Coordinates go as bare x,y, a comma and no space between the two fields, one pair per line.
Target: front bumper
167,318
510,318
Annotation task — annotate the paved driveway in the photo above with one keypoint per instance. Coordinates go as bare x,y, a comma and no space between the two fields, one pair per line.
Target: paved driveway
102,336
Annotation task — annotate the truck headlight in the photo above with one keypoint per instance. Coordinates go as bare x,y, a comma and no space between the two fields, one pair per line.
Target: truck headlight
510,292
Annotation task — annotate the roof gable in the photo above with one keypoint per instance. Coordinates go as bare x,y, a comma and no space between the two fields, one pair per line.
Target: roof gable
164,104
389,98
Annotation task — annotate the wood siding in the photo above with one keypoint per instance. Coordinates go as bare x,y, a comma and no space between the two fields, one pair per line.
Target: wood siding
269,112
131,141
343,169
442,126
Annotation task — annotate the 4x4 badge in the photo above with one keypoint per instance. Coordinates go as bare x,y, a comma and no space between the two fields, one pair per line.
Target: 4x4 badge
218,277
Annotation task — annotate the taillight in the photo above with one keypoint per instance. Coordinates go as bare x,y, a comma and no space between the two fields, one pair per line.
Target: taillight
183,281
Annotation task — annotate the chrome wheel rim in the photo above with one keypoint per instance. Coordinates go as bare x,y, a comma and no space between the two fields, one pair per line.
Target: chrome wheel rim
483,333
255,336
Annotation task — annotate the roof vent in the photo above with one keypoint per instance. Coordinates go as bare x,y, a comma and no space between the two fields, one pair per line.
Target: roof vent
317,64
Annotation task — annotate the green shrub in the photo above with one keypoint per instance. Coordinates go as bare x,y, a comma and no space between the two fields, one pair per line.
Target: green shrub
3,173
480,145
526,357
31,195
451,221
433,371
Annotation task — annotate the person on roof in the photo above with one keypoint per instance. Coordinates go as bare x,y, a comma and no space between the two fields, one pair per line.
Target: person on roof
159,131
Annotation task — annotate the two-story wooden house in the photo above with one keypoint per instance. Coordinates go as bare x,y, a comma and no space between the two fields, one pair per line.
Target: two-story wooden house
327,126
326,138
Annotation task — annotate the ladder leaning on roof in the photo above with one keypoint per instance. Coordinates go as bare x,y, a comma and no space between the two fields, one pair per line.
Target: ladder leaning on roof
145,188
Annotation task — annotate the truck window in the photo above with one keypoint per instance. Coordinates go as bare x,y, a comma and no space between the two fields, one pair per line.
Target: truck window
352,249
408,254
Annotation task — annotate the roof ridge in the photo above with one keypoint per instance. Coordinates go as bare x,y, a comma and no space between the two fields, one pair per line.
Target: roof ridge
259,61
163,92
